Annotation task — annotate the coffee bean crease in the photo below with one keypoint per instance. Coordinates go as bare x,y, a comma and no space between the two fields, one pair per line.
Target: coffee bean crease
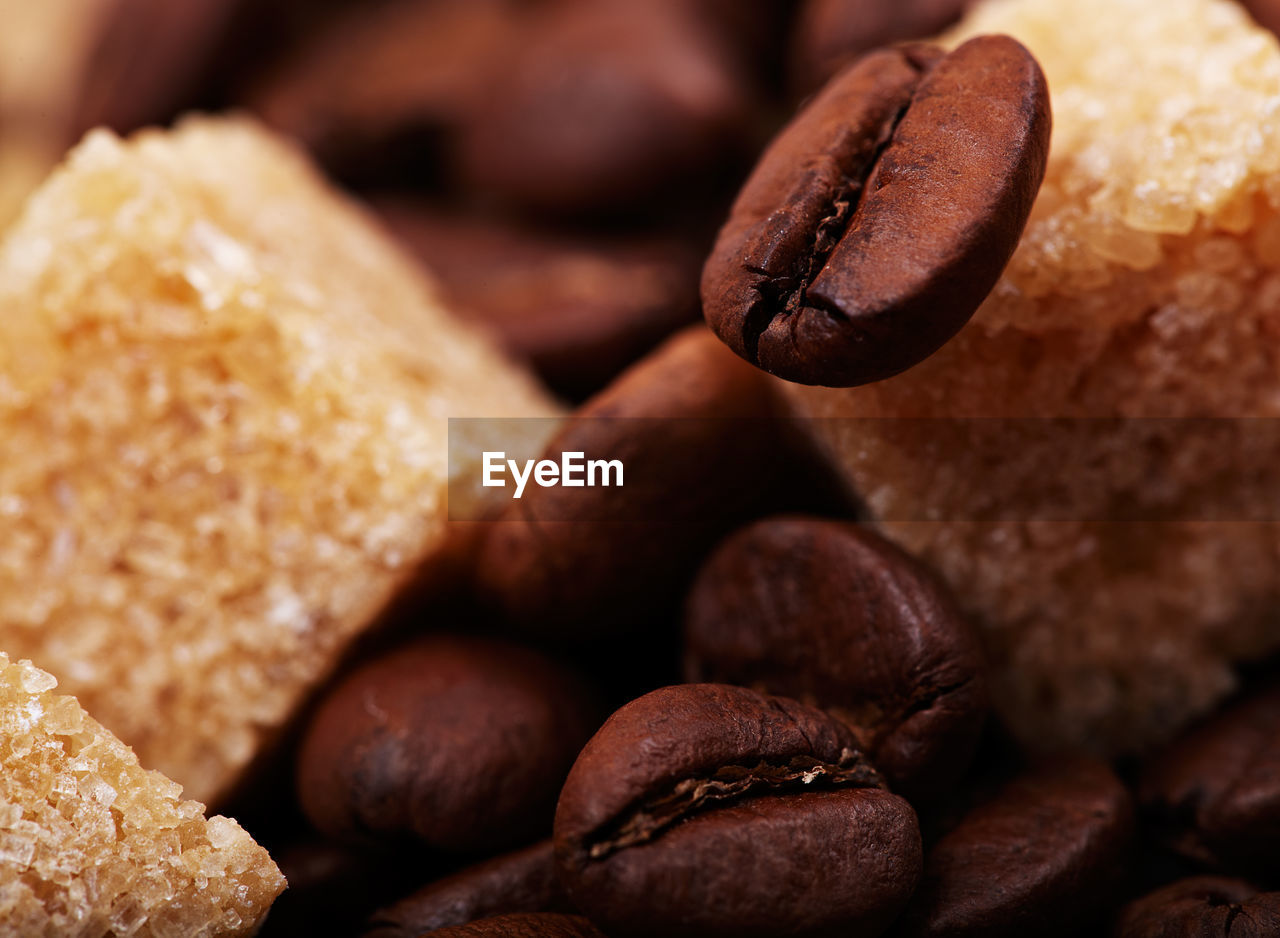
730,784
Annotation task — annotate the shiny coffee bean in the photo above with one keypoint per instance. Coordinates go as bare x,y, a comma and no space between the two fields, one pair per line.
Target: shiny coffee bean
147,59
460,742
567,562
1214,795
388,84
519,882
1039,859
1202,907
578,308
523,926
830,34
707,810
882,216
603,106
836,616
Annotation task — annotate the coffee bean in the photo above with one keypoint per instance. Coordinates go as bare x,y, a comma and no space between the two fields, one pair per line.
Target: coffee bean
833,615
1265,12
1202,907
882,216
830,34
523,881
578,308
1037,860
462,742
711,810
147,58
581,561
523,926
604,106
382,89
1214,795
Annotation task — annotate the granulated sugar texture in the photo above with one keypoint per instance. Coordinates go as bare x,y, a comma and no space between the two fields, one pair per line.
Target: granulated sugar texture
1147,284
223,420
91,844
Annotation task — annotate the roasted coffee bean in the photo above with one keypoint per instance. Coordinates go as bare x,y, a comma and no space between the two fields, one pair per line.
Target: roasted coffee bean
383,89
830,34
708,810
1202,907
523,881
1265,12
1039,859
578,308
833,615
146,59
1214,795
460,741
882,216
523,926
604,106
567,561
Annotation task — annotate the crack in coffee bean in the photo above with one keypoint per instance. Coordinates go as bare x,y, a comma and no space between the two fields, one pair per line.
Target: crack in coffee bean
713,796
878,221
728,784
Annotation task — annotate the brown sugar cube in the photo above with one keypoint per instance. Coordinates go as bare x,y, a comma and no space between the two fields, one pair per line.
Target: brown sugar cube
92,844
1146,285
223,420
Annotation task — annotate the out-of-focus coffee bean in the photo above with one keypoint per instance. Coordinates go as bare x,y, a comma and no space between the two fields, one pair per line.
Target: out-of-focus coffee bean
882,216
833,615
699,436
578,308
606,106
523,926
830,34
384,86
1265,12
1202,907
523,881
1039,859
146,58
707,810
462,742
1214,795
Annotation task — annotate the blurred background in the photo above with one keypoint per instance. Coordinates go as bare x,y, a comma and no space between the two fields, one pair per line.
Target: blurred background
560,165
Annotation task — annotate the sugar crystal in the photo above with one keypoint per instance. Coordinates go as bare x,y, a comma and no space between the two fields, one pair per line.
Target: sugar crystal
1146,284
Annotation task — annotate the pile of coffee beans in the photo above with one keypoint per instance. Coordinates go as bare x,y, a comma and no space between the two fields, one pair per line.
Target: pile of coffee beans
712,702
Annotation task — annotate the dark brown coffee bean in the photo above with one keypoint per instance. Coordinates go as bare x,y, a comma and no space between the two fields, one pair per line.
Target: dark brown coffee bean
523,881
882,216
462,742
710,810
147,58
399,76
567,561
579,309
1202,907
833,615
1037,860
523,926
830,34
604,105
1214,795
1266,13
